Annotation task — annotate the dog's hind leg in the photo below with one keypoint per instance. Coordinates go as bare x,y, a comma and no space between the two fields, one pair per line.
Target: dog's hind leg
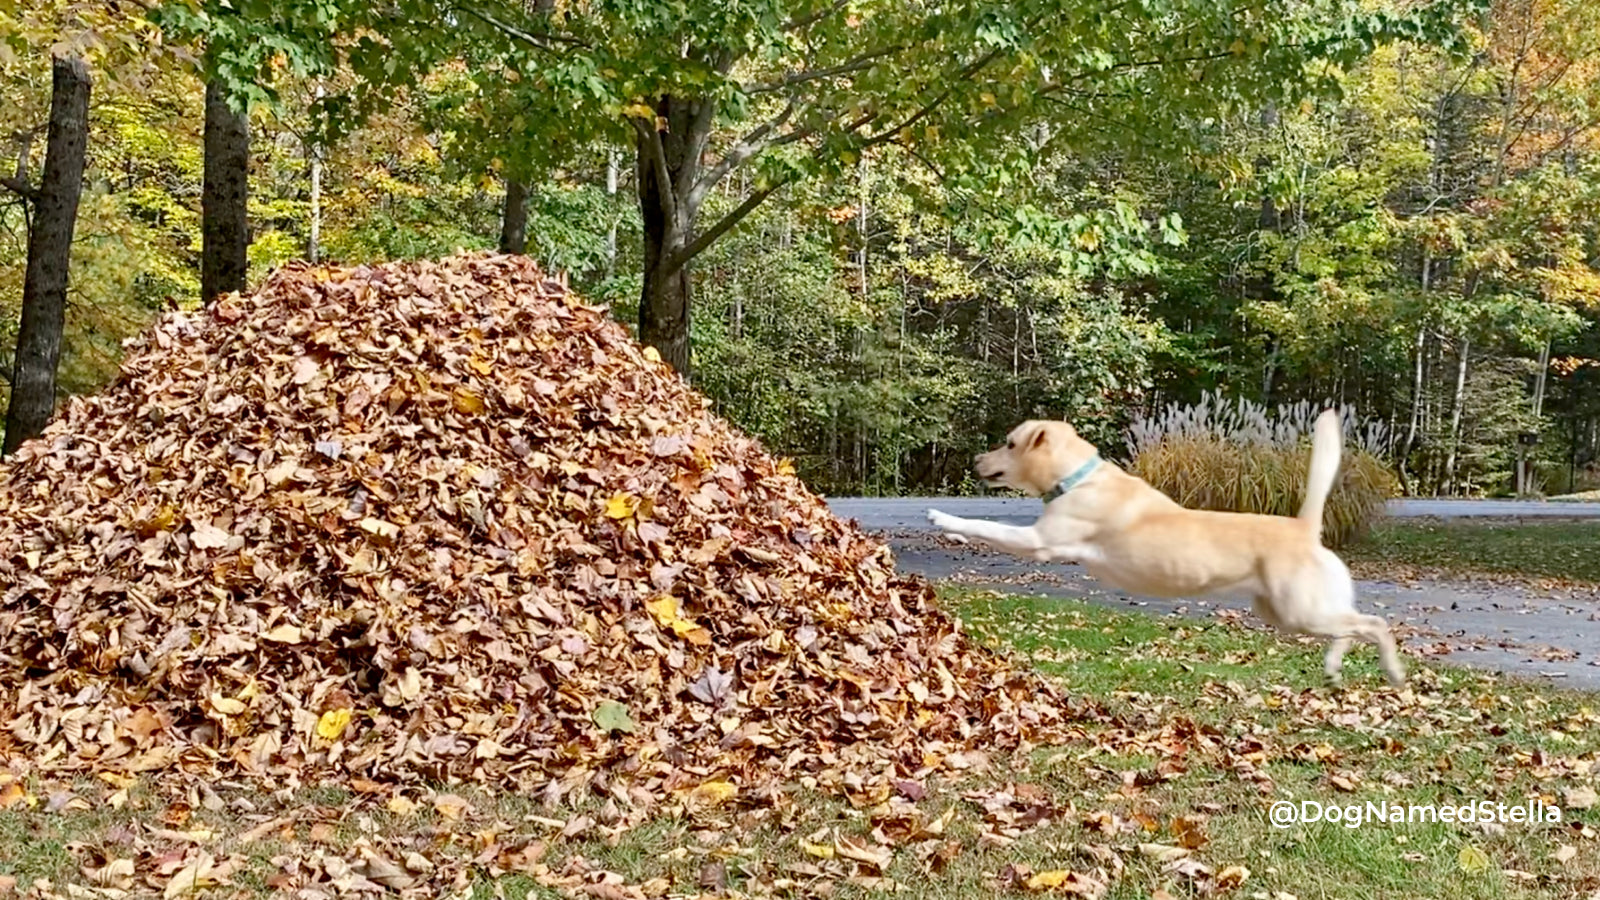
1333,663
1377,630
1348,626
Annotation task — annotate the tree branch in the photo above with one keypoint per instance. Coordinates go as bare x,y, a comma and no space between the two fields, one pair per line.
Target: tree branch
535,40
650,143
966,72
807,21
20,187
709,236
748,146
863,61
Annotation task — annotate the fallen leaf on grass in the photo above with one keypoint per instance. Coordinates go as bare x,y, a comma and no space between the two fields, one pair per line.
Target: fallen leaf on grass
1066,882
860,850
1472,861
1580,797
1162,852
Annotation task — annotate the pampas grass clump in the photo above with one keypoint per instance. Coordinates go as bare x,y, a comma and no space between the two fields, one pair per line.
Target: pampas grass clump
1237,456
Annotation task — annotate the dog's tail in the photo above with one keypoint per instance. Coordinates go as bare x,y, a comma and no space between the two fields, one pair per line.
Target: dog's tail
1325,449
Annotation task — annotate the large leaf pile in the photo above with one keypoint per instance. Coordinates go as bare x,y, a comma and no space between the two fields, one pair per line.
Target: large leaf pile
430,521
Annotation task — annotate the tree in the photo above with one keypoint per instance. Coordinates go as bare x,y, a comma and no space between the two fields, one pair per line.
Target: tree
701,90
514,221
54,216
225,197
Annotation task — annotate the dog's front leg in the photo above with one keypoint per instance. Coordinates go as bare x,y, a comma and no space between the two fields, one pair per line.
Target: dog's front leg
1018,540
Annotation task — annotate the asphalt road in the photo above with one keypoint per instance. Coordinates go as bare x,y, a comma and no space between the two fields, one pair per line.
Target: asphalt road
909,513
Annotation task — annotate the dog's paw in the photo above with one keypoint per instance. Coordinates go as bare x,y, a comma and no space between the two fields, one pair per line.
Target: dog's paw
946,523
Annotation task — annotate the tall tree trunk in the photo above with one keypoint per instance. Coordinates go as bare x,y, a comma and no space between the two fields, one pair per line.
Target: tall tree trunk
224,197
314,238
667,159
613,173
514,224
44,286
1455,416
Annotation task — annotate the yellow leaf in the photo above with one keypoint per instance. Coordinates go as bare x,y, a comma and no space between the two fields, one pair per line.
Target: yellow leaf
13,794
668,613
117,779
1237,47
652,354
785,466
639,111
333,723
822,851
1047,880
401,805
1472,860
713,793
665,609
480,365
1231,877
621,506
467,403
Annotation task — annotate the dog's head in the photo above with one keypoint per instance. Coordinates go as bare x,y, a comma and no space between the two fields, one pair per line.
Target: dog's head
1037,454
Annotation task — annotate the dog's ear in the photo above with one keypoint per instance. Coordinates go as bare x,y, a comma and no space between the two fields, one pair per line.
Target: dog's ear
1040,435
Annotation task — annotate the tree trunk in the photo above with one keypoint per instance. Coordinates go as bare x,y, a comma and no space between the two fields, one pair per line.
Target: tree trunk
1455,416
514,225
1410,442
44,286
314,238
612,173
664,162
225,197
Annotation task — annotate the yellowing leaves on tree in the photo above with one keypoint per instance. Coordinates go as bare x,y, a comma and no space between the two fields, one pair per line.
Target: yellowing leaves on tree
331,725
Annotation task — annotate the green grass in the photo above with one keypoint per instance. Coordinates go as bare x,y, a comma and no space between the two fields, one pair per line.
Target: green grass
1186,721
1567,550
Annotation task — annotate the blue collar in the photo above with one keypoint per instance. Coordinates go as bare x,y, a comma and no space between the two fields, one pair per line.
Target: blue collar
1073,480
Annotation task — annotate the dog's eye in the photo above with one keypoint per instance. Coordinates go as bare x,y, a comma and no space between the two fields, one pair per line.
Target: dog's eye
1011,445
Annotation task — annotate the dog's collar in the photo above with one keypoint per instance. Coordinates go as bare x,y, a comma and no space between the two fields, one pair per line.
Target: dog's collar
1072,480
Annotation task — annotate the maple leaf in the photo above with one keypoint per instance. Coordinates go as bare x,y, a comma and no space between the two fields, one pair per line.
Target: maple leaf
712,686
613,716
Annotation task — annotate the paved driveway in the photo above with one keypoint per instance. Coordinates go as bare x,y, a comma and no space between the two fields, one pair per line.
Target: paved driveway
902,513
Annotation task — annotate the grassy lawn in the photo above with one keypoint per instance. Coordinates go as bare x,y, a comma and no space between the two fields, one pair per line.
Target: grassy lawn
1563,551
1191,730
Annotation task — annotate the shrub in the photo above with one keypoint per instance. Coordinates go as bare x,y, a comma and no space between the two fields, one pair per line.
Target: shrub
1238,457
